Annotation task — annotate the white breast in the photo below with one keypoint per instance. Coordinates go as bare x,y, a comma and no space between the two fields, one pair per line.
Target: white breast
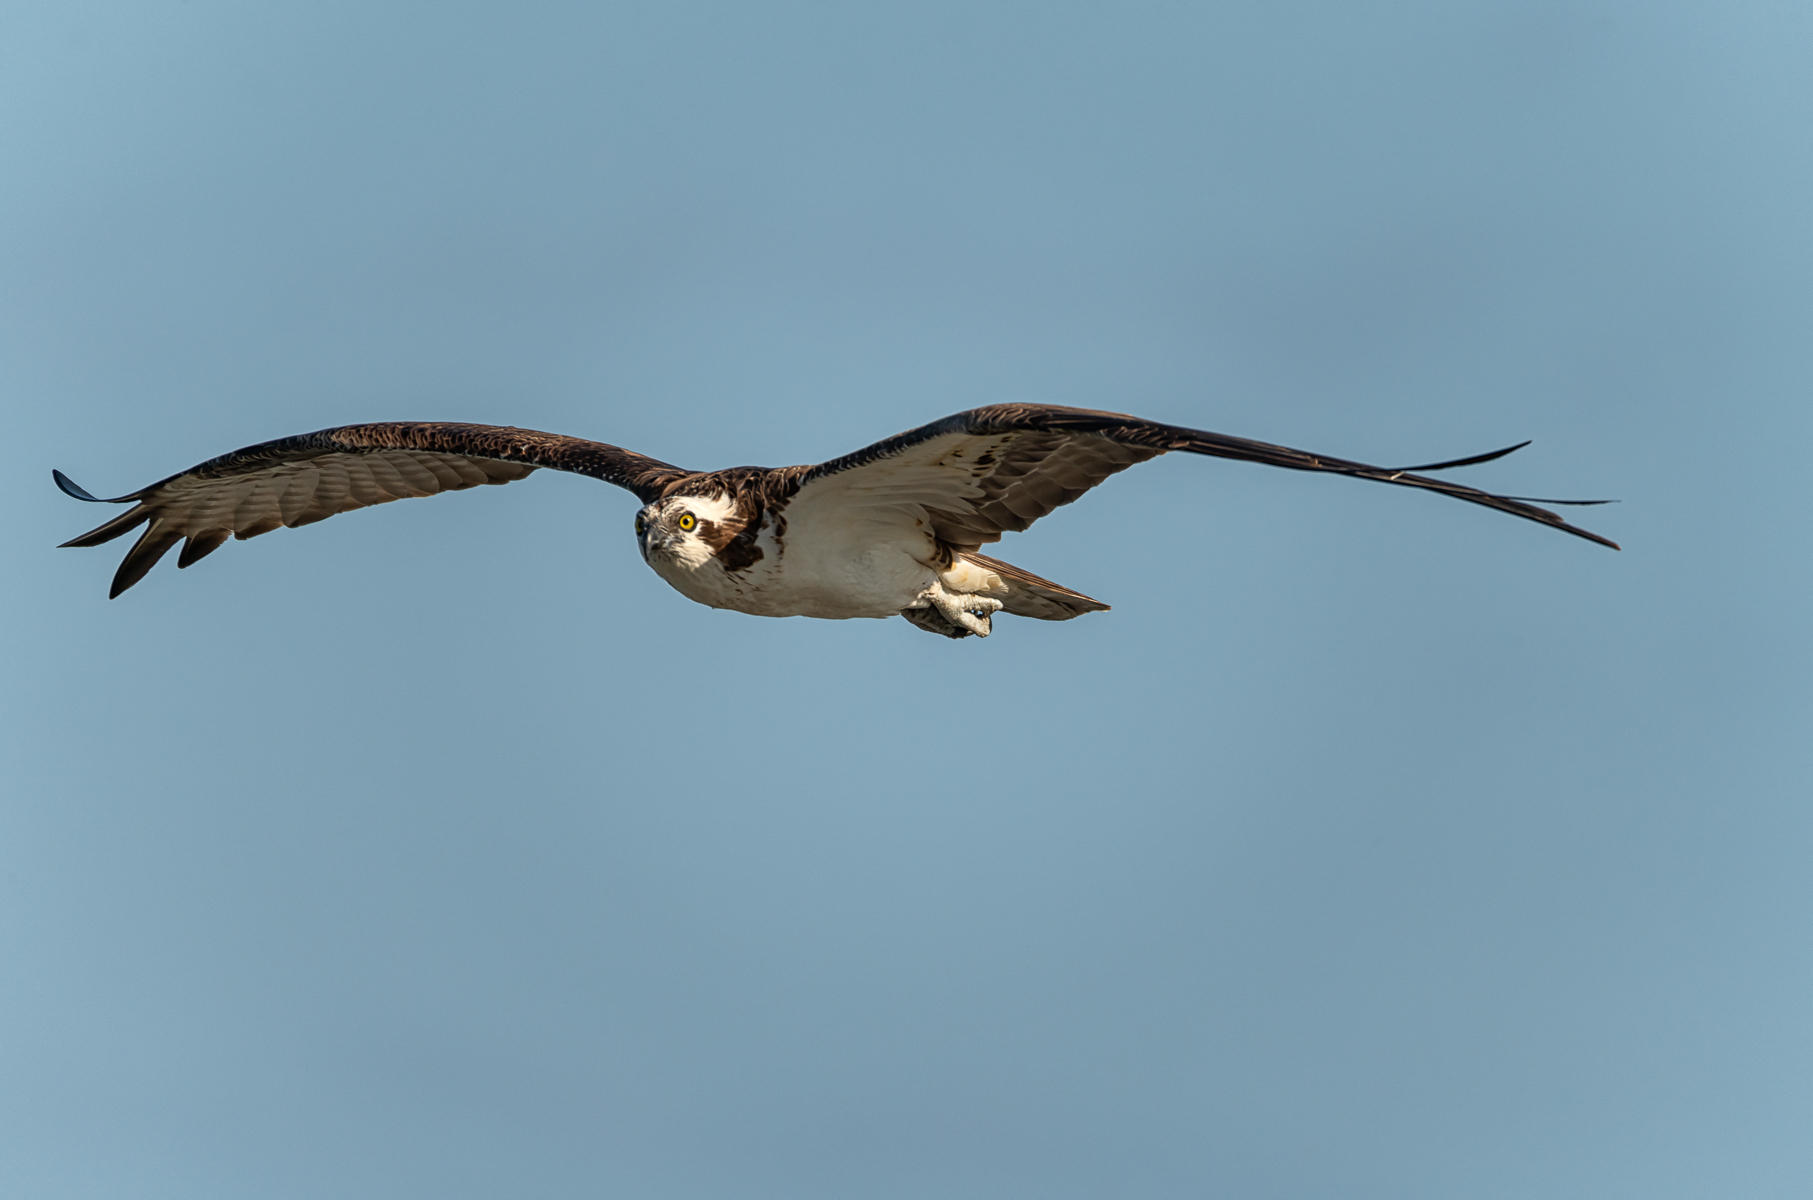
821,567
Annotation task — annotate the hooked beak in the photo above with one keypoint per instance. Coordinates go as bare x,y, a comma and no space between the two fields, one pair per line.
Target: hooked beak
652,540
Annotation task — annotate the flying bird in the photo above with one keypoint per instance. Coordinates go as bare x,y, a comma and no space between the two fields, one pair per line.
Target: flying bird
896,527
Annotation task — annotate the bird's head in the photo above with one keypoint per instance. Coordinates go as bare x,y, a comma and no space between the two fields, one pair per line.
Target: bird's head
683,531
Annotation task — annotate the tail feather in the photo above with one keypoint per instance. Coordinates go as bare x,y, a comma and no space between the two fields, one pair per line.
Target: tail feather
1025,594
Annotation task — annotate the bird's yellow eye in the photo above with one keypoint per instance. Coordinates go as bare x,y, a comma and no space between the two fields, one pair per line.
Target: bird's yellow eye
687,522
641,524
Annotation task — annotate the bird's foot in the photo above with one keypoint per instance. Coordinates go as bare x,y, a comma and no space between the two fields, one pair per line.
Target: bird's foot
973,613
953,614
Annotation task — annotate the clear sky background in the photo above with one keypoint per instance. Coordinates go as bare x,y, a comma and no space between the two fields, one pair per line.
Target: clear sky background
1373,845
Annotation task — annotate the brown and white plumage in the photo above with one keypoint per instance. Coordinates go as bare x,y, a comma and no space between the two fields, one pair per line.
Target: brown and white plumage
300,480
895,527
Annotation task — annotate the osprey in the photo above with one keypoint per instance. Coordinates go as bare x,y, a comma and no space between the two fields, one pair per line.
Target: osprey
896,527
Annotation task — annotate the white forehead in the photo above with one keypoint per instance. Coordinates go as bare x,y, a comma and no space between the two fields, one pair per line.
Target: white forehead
706,508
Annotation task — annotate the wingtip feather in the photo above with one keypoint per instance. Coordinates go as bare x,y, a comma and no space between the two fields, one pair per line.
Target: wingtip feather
1470,461
71,488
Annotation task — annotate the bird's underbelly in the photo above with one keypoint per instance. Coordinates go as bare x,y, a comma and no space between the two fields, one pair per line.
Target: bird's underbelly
868,582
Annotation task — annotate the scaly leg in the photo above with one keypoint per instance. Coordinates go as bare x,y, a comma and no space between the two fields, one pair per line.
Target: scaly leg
968,612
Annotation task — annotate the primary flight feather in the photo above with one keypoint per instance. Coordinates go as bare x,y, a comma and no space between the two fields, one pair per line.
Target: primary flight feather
895,528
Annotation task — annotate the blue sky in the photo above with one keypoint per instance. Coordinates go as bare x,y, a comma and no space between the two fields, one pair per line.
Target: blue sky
1373,845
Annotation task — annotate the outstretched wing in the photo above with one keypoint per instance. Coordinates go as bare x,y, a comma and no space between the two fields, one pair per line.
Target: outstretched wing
980,473
298,480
